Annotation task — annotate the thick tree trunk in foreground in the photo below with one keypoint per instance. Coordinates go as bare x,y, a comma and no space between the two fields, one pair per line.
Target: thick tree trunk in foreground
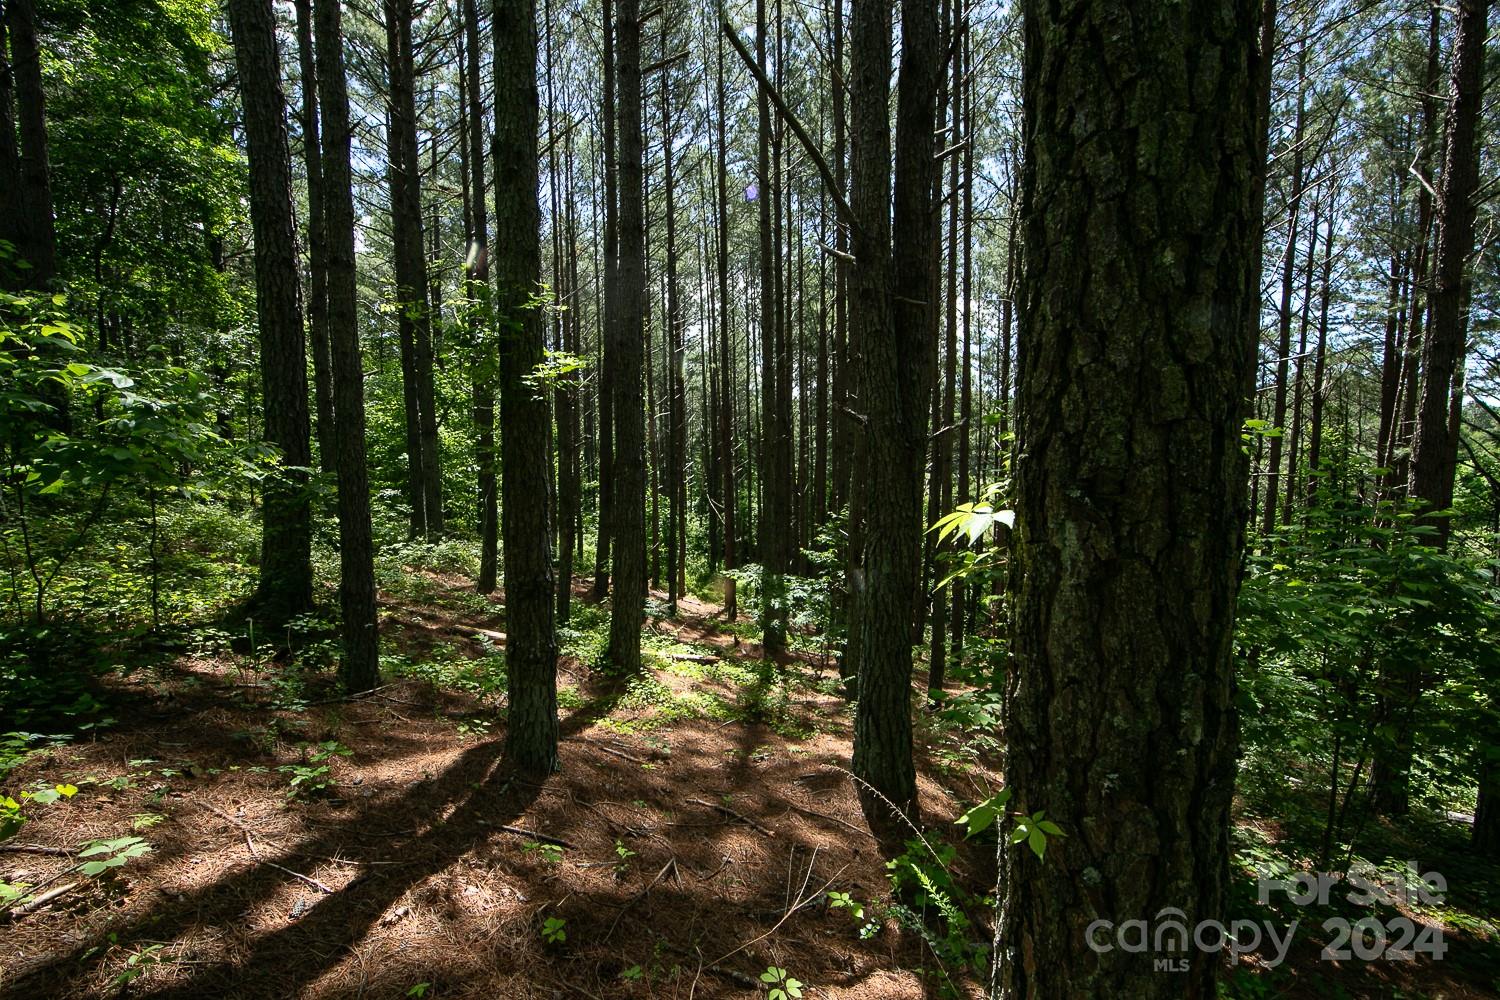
628,516
531,640
285,587
360,667
1135,313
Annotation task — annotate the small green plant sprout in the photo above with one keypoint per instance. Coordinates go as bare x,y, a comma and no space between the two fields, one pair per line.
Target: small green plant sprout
146,820
554,930
550,853
419,990
137,964
110,854
632,974
780,984
869,925
11,816
624,854
13,893
47,796
983,816
1032,830
844,901
314,776
1035,830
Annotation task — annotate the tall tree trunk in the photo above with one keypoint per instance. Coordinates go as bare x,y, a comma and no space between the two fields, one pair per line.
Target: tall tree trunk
1284,309
1434,449
610,114
846,364
39,248
1299,381
286,582
1131,505
12,202
1320,363
1420,298
483,390
414,314
775,525
317,251
944,443
569,487
1435,444
966,392
896,382
676,472
360,667
531,639
726,353
627,613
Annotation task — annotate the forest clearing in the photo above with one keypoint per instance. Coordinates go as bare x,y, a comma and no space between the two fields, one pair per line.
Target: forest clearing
959,499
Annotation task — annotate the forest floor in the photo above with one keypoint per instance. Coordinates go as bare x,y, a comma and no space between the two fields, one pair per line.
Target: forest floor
688,846
700,818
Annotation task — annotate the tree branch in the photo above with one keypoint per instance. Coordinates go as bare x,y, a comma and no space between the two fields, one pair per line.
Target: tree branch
829,182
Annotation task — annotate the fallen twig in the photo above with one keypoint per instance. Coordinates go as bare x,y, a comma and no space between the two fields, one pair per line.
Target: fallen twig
486,633
833,819
306,878
671,863
621,754
32,905
544,838
749,982
36,849
777,926
249,843
350,697
730,812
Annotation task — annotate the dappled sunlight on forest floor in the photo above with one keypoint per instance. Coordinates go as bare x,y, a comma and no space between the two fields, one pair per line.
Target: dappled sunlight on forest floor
689,844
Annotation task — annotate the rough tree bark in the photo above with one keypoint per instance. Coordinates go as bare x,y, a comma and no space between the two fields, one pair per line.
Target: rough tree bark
286,581
628,517
414,311
317,252
892,294
39,244
1136,344
531,640
1435,442
360,668
483,390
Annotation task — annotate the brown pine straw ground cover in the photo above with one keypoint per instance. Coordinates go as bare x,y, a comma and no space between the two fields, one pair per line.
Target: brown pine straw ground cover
700,819
697,845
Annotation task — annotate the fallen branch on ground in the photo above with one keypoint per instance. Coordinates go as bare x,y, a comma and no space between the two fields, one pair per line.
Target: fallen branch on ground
542,838
671,863
36,849
730,812
31,905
